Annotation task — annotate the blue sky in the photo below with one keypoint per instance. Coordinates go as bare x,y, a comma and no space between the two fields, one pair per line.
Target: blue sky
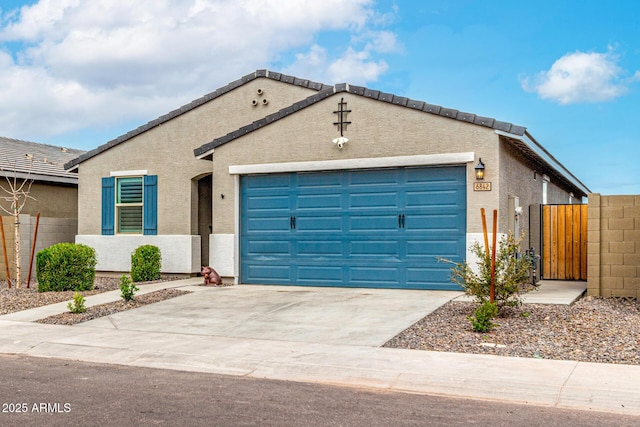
78,73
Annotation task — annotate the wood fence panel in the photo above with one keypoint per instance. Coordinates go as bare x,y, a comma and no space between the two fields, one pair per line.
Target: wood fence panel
564,240
561,242
568,247
583,243
546,240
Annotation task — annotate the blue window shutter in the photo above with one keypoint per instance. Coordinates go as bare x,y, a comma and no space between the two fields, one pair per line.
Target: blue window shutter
108,205
151,204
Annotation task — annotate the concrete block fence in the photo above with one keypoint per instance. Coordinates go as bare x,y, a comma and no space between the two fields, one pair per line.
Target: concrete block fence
613,251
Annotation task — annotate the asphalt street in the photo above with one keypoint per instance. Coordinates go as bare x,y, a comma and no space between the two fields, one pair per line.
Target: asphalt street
55,392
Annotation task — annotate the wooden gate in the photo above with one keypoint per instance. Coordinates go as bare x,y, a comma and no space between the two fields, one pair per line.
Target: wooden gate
564,242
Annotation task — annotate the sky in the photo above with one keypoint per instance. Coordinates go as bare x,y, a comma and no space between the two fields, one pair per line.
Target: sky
78,73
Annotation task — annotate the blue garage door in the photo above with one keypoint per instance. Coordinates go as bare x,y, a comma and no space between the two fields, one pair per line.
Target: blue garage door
367,228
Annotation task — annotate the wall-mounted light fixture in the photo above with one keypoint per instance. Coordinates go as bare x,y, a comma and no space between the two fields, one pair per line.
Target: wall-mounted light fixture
480,169
340,141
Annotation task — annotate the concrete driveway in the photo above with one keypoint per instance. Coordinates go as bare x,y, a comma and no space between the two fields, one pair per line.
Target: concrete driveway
364,317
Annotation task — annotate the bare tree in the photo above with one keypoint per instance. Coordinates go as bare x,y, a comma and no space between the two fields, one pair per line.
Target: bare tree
17,195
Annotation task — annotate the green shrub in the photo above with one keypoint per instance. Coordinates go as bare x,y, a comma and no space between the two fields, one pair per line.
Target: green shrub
127,288
483,316
145,263
512,273
66,267
77,306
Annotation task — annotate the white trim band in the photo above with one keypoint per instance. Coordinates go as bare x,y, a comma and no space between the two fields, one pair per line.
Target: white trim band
362,163
129,173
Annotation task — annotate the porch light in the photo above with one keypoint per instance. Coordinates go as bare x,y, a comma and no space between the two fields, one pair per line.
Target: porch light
480,169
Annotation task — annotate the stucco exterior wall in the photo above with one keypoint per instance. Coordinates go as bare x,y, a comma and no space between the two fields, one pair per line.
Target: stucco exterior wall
167,151
51,200
613,248
377,130
520,180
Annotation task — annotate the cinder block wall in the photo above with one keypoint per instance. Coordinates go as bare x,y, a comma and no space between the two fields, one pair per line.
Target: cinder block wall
614,246
50,232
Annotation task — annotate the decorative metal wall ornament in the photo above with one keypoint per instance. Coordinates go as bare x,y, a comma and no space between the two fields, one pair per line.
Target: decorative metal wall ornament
342,116
341,123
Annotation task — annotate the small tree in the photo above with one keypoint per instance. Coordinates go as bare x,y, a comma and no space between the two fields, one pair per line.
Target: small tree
512,273
17,194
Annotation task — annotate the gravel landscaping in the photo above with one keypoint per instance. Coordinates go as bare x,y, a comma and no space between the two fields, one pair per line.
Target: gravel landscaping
591,330
18,299
110,308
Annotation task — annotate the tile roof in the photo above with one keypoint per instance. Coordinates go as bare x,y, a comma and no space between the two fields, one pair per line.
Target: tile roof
204,150
42,162
194,104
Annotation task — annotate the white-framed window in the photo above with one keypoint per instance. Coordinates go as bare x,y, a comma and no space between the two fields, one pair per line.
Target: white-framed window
129,205
545,189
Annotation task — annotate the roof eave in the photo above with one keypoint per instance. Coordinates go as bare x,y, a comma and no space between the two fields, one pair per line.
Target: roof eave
547,158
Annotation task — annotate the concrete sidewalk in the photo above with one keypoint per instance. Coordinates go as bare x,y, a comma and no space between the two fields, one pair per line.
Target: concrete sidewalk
567,384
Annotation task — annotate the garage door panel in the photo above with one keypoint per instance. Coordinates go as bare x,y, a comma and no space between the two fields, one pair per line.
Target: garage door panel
316,202
359,180
320,248
269,247
318,224
268,224
270,183
373,248
432,175
373,201
373,223
432,249
314,181
450,223
373,276
433,199
268,273
348,229
264,204
331,275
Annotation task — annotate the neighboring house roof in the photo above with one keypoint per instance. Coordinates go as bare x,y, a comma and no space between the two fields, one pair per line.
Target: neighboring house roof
194,104
40,162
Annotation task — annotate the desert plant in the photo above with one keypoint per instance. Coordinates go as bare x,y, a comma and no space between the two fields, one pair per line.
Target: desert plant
512,273
128,289
77,305
146,261
66,267
483,316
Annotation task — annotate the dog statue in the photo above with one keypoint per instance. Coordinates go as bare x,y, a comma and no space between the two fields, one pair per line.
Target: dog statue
211,277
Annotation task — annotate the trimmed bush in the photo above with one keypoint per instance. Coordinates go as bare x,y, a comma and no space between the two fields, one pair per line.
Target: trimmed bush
146,261
66,267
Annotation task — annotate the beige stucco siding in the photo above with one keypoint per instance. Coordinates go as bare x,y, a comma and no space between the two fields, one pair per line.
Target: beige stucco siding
377,130
519,179
167,151
55,201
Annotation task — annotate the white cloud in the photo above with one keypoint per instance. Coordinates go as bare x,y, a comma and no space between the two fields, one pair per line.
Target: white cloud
580,77
353,66
85,63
